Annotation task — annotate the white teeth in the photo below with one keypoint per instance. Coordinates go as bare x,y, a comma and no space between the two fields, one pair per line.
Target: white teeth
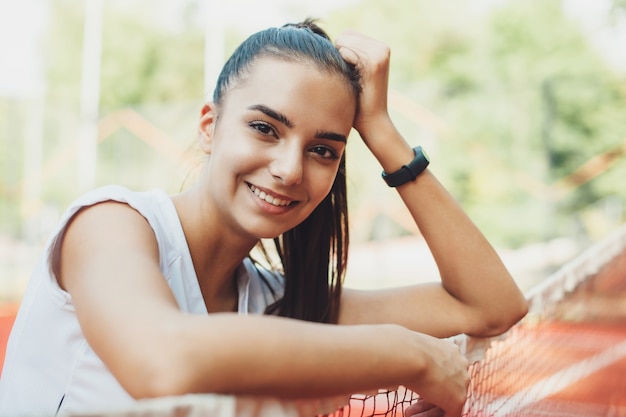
268,198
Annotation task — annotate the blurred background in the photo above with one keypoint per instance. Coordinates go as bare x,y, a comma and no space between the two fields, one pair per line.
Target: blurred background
521,105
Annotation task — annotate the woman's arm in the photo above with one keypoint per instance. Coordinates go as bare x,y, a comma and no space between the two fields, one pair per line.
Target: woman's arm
110,266
477,295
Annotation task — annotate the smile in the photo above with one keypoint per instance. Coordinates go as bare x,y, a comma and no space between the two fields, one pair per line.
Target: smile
275,201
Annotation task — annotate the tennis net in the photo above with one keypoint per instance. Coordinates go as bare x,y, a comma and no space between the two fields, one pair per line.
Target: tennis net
566,358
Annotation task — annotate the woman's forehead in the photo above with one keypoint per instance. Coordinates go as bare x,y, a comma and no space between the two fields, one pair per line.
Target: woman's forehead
280,82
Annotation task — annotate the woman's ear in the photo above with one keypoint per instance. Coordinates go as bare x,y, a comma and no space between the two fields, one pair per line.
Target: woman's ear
206,128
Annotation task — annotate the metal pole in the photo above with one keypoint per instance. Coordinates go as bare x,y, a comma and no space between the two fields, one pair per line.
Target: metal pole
213,45
90,95
33,162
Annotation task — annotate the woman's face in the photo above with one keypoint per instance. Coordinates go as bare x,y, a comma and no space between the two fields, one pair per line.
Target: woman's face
275,144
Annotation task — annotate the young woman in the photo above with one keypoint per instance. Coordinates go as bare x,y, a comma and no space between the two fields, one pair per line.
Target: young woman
141,294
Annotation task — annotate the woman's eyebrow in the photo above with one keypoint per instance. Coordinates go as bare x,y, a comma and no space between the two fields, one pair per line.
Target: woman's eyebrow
331,135
272,113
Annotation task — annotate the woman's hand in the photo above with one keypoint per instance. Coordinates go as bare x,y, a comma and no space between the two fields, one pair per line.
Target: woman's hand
423,408
443,385
371,58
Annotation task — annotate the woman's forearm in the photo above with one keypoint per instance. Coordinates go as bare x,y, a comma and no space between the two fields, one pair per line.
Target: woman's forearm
226,353
470,269
271,356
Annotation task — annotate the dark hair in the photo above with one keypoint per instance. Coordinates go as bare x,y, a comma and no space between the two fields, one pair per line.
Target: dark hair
314,253
295,42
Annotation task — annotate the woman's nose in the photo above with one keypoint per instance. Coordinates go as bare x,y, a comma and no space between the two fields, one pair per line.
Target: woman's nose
287,165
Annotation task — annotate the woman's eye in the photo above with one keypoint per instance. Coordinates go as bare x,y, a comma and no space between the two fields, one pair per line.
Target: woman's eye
325,152
263,128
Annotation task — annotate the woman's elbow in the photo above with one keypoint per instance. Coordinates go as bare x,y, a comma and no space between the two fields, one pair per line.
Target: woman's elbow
153,380
502,320
518,311
165,375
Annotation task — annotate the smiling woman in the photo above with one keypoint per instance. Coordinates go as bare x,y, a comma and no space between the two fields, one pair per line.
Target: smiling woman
277,145
143,294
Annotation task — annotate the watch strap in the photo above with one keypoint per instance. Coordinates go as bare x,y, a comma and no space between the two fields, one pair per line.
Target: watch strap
409,171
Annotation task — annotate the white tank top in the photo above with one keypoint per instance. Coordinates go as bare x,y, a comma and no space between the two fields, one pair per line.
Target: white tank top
49,366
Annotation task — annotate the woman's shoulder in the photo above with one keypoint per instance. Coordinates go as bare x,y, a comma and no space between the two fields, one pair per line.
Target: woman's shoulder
154,206
117,193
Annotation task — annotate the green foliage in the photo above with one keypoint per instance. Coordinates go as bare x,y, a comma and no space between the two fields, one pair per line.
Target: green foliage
62,51
526,100
142,61
520,99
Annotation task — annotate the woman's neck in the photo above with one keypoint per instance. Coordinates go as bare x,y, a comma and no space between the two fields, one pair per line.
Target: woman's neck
216,253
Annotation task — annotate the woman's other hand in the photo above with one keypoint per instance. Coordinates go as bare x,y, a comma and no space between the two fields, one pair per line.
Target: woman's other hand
371,58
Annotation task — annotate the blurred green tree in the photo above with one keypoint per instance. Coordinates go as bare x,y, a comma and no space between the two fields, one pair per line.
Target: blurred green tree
527,100
514,100
150,63
143,60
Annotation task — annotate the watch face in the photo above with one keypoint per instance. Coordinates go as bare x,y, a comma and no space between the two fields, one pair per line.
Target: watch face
420,162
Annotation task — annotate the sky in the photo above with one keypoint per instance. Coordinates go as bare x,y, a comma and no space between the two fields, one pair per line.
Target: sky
22,21
20,27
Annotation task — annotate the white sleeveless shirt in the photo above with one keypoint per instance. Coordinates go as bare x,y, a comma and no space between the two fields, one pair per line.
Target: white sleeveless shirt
49,366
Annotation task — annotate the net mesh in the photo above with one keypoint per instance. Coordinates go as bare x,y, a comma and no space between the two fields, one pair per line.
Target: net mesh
566,358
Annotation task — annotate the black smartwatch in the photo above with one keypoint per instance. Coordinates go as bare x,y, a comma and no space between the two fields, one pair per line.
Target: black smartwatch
409,171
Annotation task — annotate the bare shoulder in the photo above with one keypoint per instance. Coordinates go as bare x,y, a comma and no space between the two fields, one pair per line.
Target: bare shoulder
106,230
113,214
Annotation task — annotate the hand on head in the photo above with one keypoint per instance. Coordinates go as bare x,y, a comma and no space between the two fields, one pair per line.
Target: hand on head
371,58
